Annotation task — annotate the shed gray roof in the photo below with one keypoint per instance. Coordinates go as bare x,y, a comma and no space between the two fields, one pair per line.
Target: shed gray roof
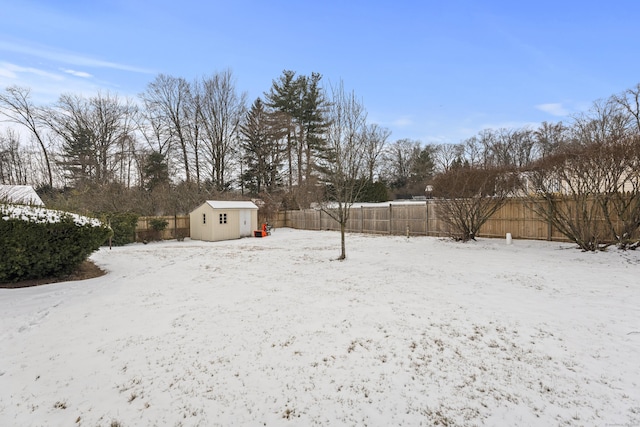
227,204
20,195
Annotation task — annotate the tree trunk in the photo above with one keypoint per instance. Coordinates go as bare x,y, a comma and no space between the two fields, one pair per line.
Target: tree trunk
343,252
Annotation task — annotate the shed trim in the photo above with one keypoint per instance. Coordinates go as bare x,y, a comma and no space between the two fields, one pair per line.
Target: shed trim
225,204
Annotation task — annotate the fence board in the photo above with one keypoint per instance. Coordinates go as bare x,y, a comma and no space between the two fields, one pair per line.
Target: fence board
516,217
421,219
177,227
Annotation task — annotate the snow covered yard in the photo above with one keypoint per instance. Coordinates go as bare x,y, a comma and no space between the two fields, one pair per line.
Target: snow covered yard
419,331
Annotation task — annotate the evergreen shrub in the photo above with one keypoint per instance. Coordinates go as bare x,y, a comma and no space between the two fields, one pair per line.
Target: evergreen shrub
123,226
154,233
37,243
158,225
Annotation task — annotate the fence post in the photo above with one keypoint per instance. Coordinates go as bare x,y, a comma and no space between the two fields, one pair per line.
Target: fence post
549,225
426,218
406,211
539,228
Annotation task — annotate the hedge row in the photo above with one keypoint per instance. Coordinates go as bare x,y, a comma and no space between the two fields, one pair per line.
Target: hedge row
37,243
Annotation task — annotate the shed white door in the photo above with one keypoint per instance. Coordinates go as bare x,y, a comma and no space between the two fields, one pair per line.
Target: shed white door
245,223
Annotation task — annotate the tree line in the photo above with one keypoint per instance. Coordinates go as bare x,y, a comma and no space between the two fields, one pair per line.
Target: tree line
303,141
582,177
200,136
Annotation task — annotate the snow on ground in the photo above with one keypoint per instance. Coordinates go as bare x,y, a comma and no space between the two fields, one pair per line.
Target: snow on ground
419,331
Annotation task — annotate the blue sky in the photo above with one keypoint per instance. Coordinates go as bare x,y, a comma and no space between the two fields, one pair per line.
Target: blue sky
435,71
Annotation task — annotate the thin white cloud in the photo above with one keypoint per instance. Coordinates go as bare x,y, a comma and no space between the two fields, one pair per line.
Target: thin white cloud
47,86
512,125
69,58
6,73
402,122
77,73
555,109
13,71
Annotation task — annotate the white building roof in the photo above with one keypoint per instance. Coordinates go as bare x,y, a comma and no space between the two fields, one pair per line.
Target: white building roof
227,204
20,195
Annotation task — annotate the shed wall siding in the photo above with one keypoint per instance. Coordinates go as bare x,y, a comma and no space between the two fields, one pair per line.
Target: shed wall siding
200,231
230,230
214,231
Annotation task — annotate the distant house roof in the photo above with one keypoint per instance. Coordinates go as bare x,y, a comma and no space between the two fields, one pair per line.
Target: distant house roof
225,204
20,195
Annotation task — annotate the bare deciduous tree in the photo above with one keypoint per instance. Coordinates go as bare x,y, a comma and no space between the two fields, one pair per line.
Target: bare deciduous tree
549,138
629,101
470,195
617,162
193,110
13,164
504,148
446,155
399,158
16,105
565,192
221,111
154,131
94,132
167,98
470,150
587,188
342,165
375,144
605,120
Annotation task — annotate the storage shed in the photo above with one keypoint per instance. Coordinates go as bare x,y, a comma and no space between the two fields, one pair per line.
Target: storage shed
223,220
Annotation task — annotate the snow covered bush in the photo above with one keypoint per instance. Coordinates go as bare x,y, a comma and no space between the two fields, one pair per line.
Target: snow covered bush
38,242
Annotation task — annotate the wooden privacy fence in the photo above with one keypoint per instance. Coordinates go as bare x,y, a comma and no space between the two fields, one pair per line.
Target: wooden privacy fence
177,228
421,219
402,218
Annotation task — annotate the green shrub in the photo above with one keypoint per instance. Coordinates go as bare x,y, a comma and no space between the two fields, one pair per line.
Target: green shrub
123,226
38,243
158,224
373,192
